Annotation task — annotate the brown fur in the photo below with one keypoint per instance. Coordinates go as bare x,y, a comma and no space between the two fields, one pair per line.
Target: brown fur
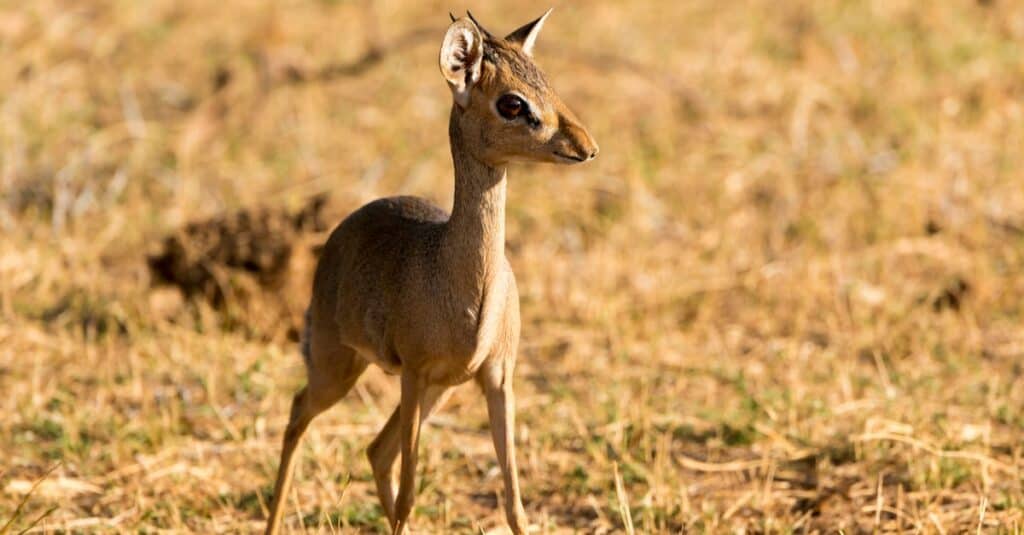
428,296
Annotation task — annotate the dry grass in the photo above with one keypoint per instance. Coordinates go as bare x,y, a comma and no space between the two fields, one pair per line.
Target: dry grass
786,298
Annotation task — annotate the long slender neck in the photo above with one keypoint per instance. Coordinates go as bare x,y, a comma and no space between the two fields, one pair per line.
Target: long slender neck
474,238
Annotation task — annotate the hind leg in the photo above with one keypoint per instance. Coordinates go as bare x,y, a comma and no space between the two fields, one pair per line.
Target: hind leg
331,376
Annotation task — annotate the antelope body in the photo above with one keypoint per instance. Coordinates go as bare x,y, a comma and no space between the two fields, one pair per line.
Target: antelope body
428,296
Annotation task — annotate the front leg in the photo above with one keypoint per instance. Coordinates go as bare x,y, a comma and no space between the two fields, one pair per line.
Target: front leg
496,381
385,448
409,410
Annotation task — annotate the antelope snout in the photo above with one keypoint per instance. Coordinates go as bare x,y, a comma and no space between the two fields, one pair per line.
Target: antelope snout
573,144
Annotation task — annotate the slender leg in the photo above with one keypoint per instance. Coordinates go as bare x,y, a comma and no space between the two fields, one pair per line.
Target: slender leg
497,386
383,451
301,415
321,393
409,422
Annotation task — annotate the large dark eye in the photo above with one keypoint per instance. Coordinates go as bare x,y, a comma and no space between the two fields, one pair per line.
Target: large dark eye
510,106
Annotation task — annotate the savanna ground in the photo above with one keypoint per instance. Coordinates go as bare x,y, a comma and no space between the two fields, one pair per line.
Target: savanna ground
787,297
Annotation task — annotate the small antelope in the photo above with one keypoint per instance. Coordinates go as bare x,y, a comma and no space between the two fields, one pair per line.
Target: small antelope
428,296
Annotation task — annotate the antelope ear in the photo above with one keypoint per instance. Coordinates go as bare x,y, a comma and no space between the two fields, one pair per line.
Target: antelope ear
461,54
526,36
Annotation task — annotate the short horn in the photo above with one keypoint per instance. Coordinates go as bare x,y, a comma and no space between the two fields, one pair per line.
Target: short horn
479,26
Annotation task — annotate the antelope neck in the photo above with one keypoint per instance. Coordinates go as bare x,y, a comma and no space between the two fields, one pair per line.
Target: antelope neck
474,238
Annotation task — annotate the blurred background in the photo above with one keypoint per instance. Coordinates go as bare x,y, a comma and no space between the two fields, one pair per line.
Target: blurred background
787,297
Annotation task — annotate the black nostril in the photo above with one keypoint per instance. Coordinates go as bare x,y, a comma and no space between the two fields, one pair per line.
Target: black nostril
593,154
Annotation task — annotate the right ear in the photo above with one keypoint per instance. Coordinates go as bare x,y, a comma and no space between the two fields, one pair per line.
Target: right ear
461,54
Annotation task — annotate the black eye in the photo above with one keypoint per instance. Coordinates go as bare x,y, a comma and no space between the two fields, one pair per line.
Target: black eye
511,106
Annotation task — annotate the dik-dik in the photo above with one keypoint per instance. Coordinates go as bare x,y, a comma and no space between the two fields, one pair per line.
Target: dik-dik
430,296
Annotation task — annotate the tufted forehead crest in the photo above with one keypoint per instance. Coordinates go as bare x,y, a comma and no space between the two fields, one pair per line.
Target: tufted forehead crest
502,56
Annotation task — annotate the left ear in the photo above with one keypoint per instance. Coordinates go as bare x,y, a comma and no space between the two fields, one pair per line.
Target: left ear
460,58
526,36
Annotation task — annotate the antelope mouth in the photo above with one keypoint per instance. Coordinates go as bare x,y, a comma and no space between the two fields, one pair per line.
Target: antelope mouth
566,157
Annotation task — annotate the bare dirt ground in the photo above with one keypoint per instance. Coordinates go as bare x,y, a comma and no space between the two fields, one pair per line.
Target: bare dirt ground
786,298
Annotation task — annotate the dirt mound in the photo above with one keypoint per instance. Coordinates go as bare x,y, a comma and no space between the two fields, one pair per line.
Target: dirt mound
237,262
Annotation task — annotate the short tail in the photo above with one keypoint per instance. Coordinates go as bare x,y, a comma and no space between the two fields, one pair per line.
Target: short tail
304,343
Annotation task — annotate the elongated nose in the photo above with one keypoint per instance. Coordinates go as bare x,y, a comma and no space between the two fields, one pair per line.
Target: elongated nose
577,143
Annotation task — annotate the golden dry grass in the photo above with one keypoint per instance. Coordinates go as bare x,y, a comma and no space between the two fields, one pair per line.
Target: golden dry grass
787,297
